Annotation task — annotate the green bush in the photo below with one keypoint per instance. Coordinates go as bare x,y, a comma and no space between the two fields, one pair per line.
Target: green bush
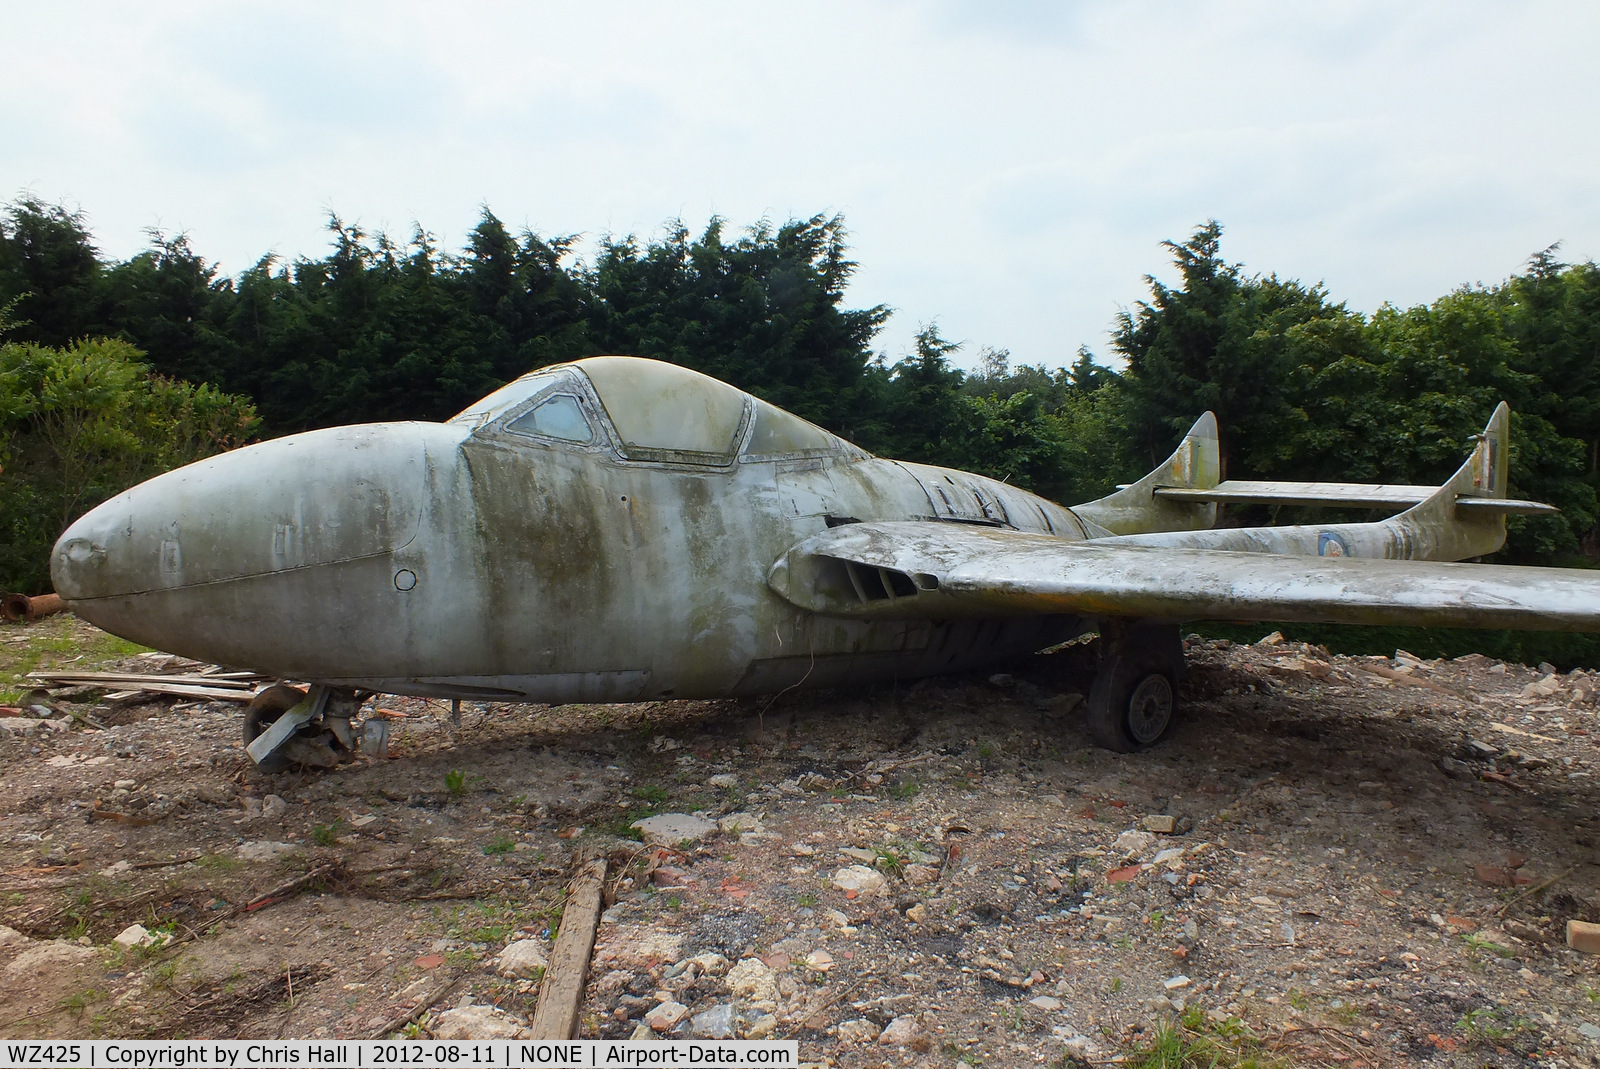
81,423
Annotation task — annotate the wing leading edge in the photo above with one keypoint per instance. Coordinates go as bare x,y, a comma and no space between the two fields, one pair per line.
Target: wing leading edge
943,571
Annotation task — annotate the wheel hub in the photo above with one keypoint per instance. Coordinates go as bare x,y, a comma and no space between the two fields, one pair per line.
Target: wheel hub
1150,708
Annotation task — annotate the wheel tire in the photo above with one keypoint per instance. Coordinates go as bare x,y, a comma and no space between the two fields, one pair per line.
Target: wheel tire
1134,700
265,708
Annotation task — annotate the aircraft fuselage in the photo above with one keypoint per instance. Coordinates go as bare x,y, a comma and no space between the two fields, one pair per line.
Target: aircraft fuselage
489,558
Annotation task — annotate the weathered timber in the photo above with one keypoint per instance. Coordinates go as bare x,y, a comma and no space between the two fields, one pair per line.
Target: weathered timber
394,1024
179,690
561,993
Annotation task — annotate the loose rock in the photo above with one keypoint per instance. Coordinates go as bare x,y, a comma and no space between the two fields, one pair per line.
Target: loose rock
716,1023
858,1030
1081,1048
523,959
739,824
137,935
710,964
667,1016
1134,844
477,1022
900,1032
754,982
670,829
266,851
860,879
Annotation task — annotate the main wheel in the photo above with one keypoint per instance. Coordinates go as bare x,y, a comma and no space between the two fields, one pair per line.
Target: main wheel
1134,700
265,708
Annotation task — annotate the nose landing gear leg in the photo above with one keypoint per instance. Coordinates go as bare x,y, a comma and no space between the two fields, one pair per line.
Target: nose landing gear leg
1134,700
285,726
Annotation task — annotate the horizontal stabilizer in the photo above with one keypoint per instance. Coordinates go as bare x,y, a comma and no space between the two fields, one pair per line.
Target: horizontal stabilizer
1505,505
1338,495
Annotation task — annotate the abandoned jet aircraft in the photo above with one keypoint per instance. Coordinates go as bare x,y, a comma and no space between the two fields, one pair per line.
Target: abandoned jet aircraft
619,529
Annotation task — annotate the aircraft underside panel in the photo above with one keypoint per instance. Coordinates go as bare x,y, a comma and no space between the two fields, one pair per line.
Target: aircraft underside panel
556,688
956,646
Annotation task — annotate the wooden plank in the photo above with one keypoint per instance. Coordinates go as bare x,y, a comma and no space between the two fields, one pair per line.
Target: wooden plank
182,690
561,992
395,1024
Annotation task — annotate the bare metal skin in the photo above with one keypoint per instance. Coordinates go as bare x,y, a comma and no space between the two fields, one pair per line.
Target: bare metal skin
620,529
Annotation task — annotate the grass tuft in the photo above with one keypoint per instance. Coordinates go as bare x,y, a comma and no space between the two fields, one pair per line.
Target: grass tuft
1196,1041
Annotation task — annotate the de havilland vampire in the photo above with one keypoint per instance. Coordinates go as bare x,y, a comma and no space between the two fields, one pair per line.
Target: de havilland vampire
619,529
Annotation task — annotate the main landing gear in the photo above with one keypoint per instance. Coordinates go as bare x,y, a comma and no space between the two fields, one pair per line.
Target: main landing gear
286,726
1134,700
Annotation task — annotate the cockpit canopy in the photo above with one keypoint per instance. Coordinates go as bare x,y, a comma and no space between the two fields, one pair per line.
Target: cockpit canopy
655,411
665,412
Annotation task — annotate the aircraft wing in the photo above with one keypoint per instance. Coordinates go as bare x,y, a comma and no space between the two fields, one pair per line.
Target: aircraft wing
931,570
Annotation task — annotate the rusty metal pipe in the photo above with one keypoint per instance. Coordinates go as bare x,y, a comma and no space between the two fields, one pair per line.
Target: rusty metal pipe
16,608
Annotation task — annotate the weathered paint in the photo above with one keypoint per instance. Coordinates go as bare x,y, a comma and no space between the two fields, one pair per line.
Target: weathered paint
477,558
983,574
469,560
1434,529
1387,496
1260,573
1137,508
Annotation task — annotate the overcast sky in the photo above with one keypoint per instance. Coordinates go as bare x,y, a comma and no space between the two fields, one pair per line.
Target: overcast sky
1007,169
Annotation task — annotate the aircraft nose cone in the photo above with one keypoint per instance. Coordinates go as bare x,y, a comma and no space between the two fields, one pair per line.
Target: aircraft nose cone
178,546
89,554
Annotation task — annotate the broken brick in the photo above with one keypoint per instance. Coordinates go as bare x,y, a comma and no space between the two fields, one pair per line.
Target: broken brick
1583,936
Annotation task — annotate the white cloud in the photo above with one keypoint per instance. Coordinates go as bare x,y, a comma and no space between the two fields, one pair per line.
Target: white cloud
1008,169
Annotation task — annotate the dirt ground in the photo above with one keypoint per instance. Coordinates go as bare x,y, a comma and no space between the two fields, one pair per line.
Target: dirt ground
1331,861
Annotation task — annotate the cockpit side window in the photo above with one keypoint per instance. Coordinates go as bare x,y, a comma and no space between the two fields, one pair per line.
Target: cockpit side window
507,397
553,404
557,416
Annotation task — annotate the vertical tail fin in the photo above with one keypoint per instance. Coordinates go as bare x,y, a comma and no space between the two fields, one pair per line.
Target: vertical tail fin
1135,509
1463,518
